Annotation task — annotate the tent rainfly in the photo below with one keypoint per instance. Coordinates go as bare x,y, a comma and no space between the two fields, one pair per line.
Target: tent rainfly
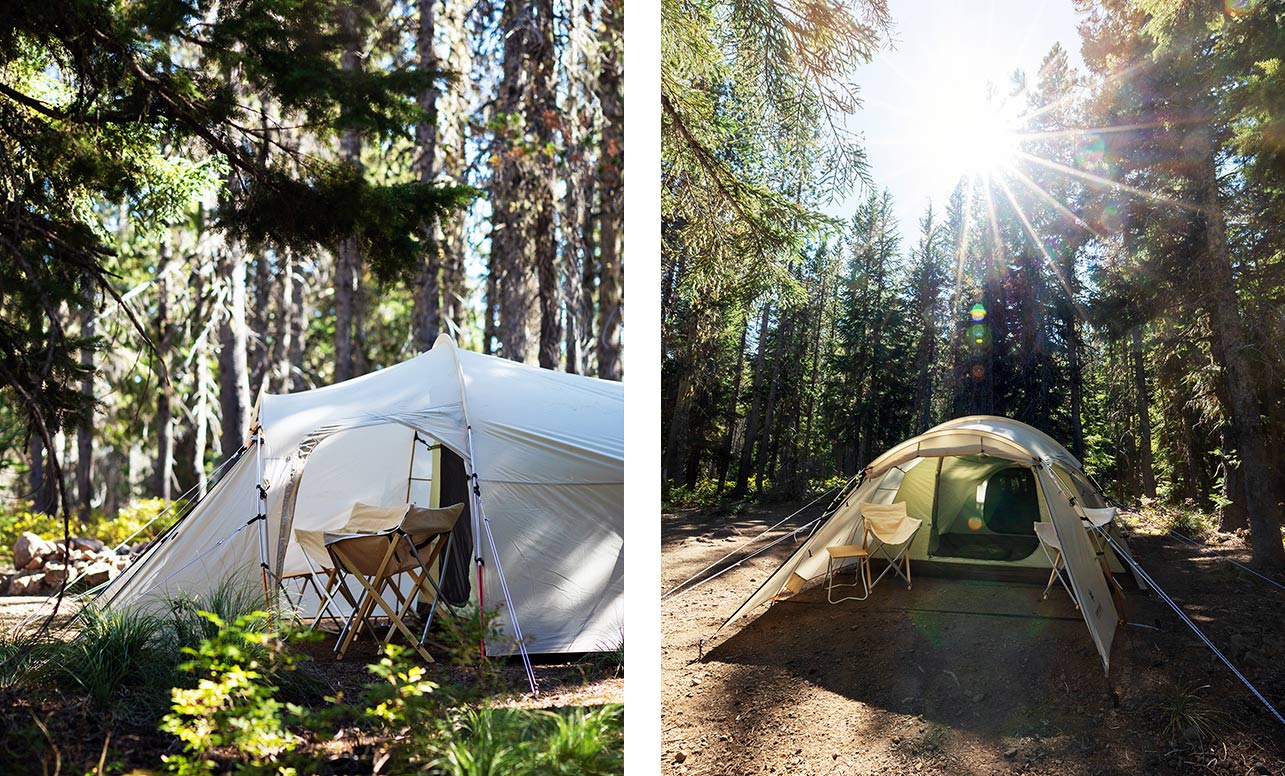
980,484
536,456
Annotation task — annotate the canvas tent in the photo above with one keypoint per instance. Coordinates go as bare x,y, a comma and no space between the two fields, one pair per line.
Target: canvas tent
979,484
536,455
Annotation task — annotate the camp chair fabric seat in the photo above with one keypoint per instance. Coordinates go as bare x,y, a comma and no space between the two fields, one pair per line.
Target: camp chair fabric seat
375,558
1098,517
891,527
1048,540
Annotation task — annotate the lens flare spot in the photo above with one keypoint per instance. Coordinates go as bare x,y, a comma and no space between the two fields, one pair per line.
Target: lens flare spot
974,524
1091,152
977,313
1112,219
1242,7
978,372
978,333
1057,247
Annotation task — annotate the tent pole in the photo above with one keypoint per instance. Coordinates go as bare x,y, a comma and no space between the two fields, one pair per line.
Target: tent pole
262,516
479,522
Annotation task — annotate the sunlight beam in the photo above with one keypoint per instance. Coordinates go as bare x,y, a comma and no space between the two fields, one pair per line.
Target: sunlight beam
1109,183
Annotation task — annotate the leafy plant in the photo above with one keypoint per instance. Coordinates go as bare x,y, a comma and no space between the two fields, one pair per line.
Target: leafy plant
234,703
133,523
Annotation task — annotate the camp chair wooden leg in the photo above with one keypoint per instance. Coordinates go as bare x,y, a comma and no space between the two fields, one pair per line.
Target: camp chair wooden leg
397,622
906,556
363,611
1049,586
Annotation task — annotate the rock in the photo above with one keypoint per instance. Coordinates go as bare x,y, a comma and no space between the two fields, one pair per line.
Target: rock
99,573
32,565
680,757
89,545
55,574
1011,753
26,584
30,547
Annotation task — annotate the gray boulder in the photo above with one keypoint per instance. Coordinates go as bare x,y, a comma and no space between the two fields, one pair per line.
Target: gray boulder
27,583
99,573
29,548
89,545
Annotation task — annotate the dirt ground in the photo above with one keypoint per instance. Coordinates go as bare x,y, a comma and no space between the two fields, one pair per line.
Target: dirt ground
959,676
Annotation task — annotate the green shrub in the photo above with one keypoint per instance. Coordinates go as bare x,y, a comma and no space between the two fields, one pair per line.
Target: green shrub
111,531
234,703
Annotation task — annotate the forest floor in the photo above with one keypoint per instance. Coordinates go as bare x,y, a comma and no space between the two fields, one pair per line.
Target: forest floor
79,735
961,676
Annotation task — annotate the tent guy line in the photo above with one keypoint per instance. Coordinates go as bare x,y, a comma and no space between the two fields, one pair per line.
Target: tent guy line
1233,561
1137,569
674,590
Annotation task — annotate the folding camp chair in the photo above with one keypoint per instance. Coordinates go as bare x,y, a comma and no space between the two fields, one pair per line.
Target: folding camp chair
362,518
891,528
1048,540
375,559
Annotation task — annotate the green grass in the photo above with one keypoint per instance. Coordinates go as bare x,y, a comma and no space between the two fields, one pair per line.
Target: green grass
113,650
1184,715
490,742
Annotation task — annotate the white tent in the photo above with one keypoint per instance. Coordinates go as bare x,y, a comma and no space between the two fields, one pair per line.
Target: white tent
536,455
979,484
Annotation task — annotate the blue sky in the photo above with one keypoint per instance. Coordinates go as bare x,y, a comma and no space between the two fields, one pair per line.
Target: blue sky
917,96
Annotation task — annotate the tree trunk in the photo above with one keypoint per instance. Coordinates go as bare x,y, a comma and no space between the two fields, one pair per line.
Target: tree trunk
1072,335
279,369
348,258
733,401
778,357
752,420
610,309
589,277
260,317
521,193
427,301
1142,408
454,132
161,475
85,431
298,313
234,377
1219,293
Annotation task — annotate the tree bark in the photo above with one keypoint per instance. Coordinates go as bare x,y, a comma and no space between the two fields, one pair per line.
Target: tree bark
234,376
85,431
162,474
427,298
733,401
1142,408
348,258
752,420
610,309
1219,293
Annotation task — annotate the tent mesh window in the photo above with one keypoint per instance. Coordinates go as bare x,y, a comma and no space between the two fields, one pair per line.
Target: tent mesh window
985,509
